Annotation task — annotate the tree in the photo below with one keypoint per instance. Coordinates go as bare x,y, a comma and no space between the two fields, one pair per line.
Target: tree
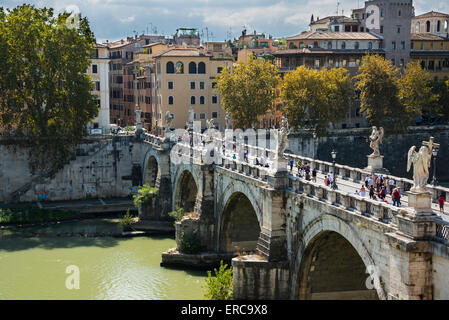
45,99
377,82
415,91
315,98
440,105
220,287
248,91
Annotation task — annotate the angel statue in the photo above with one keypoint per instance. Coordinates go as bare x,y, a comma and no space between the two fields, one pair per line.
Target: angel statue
228,120
421,165
376,139
169,119
210,124
283,137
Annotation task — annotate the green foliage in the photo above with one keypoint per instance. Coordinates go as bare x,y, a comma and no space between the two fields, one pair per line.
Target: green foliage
32,214
440,106
46,101
177,214
190,244
415,91
127,221
129,128
220,287
378,83
314,98
249,91
145,195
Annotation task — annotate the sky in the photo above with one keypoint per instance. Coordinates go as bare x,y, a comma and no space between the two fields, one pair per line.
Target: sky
216,20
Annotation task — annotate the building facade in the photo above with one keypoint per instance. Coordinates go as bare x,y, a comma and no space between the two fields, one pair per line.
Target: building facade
391,20
184,80
99,72
432,22
432,51
121,77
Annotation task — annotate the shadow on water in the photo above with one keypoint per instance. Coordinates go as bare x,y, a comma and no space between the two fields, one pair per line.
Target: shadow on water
101,233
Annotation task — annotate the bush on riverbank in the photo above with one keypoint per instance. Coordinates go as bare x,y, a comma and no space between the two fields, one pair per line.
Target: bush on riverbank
127,221
31,214
145,195
220,287
190,244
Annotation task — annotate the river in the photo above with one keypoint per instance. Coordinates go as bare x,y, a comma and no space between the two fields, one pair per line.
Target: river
109,268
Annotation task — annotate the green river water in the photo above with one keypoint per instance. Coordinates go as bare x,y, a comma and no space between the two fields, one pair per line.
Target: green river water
110,268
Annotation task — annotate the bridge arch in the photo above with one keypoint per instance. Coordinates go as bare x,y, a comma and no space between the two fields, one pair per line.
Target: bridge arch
331,263
186,190
152,169
239,219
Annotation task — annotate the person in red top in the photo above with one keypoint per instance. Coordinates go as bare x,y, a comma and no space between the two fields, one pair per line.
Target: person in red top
396,197
441,203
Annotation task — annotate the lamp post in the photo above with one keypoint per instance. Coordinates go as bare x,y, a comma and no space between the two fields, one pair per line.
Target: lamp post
334,156
434,153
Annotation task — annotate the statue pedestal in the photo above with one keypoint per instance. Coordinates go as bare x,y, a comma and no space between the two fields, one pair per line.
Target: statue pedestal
280,165
420,202
375,165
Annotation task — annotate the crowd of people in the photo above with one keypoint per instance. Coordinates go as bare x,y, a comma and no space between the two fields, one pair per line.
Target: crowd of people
303,170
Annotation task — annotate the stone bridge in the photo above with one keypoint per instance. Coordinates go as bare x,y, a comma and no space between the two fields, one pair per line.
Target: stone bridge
291,238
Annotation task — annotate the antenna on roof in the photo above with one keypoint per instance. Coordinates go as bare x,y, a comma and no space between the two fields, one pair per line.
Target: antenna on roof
338,4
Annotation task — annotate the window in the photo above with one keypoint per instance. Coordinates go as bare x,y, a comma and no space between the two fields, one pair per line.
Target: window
179,67
96,86
422,45
214,99
427,26
417,27
399,13
402,45
170,67
393,45
94,68
214,115
202,100
337,28
356,45
315,44
402,62
171,100
412,45
301,45
192,85
192,100
202,85
219,69
343,45
329,45
393,62
170,85
399,29
202,68
438,26
192,67
202,116
214,84
370,45
381,29
382,12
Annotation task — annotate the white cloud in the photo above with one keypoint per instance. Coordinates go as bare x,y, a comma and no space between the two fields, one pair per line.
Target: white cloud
128,19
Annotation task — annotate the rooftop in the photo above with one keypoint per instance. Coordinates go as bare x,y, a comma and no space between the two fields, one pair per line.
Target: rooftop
427,37
432,14
335,36
332,18
181,52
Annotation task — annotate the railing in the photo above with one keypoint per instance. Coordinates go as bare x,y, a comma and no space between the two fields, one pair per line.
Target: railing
358,175
442,232
152,139
383,212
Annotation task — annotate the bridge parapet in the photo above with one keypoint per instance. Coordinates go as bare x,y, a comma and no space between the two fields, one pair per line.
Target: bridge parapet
358,175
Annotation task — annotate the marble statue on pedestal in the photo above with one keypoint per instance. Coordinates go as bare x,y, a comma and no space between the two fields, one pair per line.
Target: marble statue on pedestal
376,139
283,138
421,165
